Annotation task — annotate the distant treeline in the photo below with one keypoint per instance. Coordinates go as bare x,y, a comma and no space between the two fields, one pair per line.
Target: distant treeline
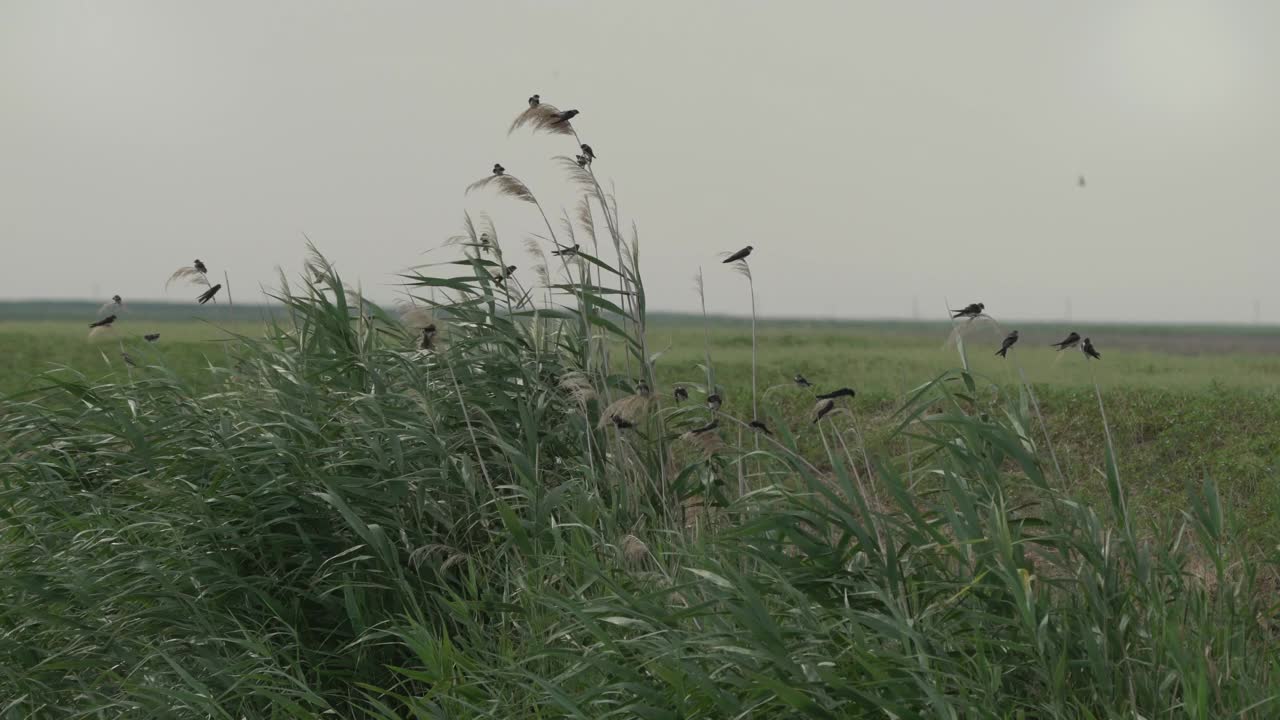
86,310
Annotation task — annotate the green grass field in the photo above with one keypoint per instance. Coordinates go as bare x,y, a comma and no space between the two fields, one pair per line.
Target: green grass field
1185,402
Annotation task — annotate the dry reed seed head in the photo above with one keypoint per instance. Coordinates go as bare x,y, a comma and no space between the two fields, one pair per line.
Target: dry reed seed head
707,441
578,387
189,274
628,409
634,551
970,325
544,117
507,185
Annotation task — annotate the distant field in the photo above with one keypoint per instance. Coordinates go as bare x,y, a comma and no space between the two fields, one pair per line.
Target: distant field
1183,401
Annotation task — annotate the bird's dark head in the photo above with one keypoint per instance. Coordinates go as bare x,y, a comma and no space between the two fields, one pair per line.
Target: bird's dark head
982,306
511,269
116,299
750,248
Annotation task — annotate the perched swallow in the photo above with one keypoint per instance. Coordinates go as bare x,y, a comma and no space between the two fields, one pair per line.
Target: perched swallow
207,295
104,322
802,381
117,299
1068,342
582,161
822,408
152,337
842,392
128,360
740,255
622,423
1009,340
706,428
498,169
200,268
1087,349
588,152
501,278
681,394
566,116
428,337
566,251
535,100
971,311
642,388
713,402
759,425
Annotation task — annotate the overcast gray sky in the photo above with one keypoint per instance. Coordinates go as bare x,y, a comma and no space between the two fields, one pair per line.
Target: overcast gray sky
875,154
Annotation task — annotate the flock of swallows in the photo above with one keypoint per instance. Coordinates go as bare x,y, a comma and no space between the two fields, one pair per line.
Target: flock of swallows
976,310
111,311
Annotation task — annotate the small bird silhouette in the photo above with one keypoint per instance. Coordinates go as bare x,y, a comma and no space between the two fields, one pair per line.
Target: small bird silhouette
802,381
586,150
759,425
740,255
566,116
681,394
535,100
622,423
822,408
498,169
1009,340
642,387
207,295
583,161
842,392
128,360
151,337
713,401
566,251
104,322
973,310
501,278
428,337
1067,342
1087,349
200,268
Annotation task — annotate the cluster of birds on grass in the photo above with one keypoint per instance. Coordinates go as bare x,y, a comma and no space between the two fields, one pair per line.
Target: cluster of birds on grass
110,312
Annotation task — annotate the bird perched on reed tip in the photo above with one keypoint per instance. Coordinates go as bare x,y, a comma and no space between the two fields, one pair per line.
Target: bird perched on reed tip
588,152
200,268
428,337
740,255
681,394
842,392
566,116
1067,342
535,100
498,169
971,311
582,161
1009,340
1087,348
802,381
713,401
104,322
207,295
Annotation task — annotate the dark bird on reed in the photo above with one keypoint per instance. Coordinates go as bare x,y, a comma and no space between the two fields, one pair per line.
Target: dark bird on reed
642,388
207,295
117,299
582,161
501,278
842,392
535,100
740,255
566,116
802,381
588,152
759,425
498,169
1067,342
566,251
681,394
1087,349
151,337
713,401
622,423
428,337
128,360
200,268
104,322
971,311
822,408
1009,340
706,428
